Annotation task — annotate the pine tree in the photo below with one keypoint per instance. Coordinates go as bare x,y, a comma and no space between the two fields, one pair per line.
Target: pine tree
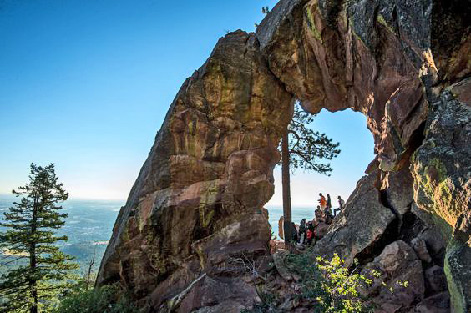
302,147
42,270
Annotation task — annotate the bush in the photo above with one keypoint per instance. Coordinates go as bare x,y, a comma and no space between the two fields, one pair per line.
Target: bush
329,283
106,299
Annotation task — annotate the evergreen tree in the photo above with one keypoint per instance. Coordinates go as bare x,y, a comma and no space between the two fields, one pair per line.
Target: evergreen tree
302,147
42,270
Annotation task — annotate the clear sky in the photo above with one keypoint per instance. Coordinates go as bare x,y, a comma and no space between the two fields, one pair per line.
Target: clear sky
356,143
85,84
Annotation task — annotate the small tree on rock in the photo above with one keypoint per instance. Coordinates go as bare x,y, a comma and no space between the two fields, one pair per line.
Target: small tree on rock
302,147
30,239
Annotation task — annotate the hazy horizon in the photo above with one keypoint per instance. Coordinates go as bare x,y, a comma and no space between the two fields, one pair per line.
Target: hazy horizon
123,201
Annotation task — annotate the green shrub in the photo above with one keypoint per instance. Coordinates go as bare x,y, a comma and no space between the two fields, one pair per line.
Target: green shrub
106,299
333,287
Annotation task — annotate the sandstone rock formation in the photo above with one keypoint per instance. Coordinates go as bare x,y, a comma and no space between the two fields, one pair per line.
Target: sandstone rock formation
197,204
194,222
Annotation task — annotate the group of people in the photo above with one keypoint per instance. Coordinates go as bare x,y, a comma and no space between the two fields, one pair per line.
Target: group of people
324,209
308,232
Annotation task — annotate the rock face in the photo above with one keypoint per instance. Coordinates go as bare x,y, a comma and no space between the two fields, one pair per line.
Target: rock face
442,171
362,227
197,203
194,219
396,265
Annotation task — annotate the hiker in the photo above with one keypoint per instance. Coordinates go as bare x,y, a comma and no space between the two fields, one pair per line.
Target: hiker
302,231
309,233
281,225
319,215
329,205
328,216
322,201
294,232
341,205
329,202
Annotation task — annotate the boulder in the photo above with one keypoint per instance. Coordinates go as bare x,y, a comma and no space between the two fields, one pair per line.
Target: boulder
400,283
439,303
320,230
282,269
421,249
435,280
214,295
362,227
398,189
457,260
442,165
435,244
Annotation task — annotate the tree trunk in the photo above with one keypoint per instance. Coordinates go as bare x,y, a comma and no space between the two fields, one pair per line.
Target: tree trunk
33,262
89,272
34,295
285,181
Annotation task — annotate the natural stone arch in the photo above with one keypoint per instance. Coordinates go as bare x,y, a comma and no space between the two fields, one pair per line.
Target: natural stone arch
327,64
198,200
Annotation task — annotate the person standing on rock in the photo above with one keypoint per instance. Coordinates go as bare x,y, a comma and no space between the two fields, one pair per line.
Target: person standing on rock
309,233
341,205
302,231
329,203
322,201
294,232
319,215
328,216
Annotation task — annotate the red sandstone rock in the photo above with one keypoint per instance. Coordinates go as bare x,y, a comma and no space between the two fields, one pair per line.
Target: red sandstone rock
198,202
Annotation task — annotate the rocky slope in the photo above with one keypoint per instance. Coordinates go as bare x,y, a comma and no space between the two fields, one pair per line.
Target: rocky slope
195,214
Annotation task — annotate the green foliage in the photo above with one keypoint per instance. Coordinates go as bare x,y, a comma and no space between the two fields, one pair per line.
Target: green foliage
308,147
43,271
341,286
106,299
330,283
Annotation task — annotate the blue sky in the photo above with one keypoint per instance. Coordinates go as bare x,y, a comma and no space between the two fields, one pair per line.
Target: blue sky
85,84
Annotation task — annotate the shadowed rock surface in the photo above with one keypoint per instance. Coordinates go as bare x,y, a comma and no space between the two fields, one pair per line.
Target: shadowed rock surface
193,225
396,264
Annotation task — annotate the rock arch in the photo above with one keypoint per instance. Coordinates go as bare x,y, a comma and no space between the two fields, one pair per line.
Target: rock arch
198,201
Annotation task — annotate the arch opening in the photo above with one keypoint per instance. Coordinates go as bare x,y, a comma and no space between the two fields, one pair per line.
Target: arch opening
347,127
